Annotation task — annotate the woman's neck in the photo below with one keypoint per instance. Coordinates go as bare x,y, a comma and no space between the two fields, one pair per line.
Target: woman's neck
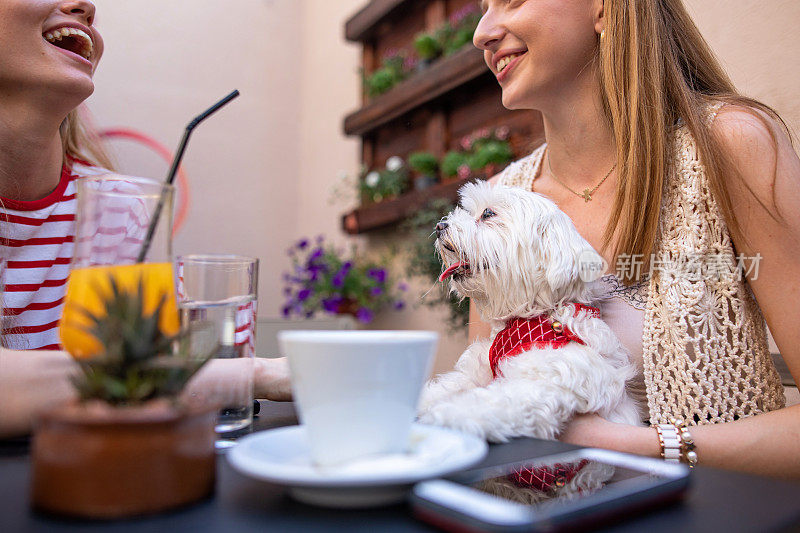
580,142
31,152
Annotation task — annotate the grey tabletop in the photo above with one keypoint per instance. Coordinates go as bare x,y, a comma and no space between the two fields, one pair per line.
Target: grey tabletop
717,500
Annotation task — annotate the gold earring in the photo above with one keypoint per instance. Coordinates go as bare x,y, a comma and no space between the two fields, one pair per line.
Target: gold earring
602,34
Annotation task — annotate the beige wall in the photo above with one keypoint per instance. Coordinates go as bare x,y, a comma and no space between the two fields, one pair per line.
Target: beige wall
758,44
262,170
167,61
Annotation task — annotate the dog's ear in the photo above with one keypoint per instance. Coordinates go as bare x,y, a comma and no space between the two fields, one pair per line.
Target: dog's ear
567,255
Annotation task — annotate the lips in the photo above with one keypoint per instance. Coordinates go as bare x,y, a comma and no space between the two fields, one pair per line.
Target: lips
507,63
457,268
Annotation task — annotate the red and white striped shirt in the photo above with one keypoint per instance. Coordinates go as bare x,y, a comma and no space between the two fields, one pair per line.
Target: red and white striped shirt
36,246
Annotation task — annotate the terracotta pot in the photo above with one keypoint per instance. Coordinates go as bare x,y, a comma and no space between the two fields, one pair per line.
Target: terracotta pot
97,461
347,307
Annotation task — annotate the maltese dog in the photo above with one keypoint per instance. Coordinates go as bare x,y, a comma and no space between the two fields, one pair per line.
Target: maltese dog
530,274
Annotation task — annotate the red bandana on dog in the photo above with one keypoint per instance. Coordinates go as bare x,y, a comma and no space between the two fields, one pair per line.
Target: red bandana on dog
522,334
546,478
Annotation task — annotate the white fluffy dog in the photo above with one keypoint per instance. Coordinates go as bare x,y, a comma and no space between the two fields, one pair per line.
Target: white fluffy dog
530,273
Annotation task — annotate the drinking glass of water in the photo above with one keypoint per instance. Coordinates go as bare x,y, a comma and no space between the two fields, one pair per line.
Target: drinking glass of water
217,296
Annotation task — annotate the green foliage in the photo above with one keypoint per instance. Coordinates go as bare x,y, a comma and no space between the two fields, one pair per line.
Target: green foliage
424,162
379,185
136,364
390,73
489,151
427,46
424,263
452,161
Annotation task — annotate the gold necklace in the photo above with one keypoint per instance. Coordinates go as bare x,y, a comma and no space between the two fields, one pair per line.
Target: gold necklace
587,193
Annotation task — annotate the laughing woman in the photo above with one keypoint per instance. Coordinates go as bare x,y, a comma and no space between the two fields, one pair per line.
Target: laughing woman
49,51
665,168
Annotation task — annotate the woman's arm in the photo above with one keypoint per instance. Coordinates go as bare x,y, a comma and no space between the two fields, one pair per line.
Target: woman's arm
477,328
765,444
767,203
33,381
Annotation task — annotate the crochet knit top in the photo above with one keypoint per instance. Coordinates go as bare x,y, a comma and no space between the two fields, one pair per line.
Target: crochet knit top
705,356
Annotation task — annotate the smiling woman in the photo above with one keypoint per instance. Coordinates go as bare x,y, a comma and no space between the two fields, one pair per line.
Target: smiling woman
703,181
49,51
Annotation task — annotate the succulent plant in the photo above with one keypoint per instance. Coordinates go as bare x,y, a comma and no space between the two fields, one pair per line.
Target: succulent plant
138,361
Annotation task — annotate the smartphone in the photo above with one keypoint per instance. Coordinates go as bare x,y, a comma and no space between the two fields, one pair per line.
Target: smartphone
552,493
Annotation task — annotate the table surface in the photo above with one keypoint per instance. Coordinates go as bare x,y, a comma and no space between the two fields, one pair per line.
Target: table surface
717,500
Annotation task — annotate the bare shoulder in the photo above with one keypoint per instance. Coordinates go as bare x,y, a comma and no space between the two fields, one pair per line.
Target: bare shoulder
494,180
759,148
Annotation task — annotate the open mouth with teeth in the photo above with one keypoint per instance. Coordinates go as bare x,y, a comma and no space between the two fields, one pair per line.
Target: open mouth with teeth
71,39
507,60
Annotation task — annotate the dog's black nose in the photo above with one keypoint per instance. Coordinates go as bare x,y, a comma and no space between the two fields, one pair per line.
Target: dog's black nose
440,227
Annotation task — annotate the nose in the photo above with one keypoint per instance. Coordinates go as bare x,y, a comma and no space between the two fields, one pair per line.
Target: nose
81,8
489,31
441,227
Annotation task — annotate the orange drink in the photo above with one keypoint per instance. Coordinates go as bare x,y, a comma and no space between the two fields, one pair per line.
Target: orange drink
88,288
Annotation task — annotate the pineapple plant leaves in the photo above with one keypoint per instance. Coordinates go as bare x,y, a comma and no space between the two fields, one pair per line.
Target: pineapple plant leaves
138,361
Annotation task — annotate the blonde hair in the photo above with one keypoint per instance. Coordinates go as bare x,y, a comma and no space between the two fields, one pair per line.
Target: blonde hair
81,141
656,68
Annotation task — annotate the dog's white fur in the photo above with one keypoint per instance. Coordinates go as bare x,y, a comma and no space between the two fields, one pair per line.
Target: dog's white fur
526,260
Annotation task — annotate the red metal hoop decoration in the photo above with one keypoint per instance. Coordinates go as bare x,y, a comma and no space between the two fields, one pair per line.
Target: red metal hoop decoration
182,205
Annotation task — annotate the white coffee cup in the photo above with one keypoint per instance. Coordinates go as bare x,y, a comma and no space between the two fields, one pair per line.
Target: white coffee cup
357,391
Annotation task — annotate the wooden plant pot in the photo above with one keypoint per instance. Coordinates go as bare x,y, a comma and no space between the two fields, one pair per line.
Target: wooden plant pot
96,461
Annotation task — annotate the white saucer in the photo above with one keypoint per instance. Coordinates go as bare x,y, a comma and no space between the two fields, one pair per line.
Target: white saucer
282,456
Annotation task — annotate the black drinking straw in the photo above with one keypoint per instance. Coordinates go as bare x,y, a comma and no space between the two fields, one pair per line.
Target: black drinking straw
174,169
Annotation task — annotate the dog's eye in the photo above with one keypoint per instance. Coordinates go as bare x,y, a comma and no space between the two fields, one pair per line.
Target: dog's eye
487,213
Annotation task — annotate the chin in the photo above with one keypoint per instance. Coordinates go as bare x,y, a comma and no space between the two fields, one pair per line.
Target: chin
72,87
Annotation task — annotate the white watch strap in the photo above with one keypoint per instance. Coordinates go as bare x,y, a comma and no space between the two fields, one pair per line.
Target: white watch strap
672,442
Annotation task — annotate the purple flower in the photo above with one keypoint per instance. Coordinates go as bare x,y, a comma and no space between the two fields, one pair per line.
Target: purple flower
364,315
376,291
338,279
287,291
286,310
316,254
402,286
399,304
378,274
303,295
331,305
302,243
347,266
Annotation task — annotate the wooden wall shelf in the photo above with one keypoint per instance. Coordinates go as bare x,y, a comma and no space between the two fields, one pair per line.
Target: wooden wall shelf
389,212
360,26
433,110
440,78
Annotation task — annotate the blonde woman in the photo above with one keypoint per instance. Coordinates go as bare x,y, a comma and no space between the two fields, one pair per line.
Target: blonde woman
691,193
49,50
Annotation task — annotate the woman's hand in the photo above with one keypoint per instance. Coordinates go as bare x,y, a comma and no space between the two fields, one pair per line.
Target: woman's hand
271,380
